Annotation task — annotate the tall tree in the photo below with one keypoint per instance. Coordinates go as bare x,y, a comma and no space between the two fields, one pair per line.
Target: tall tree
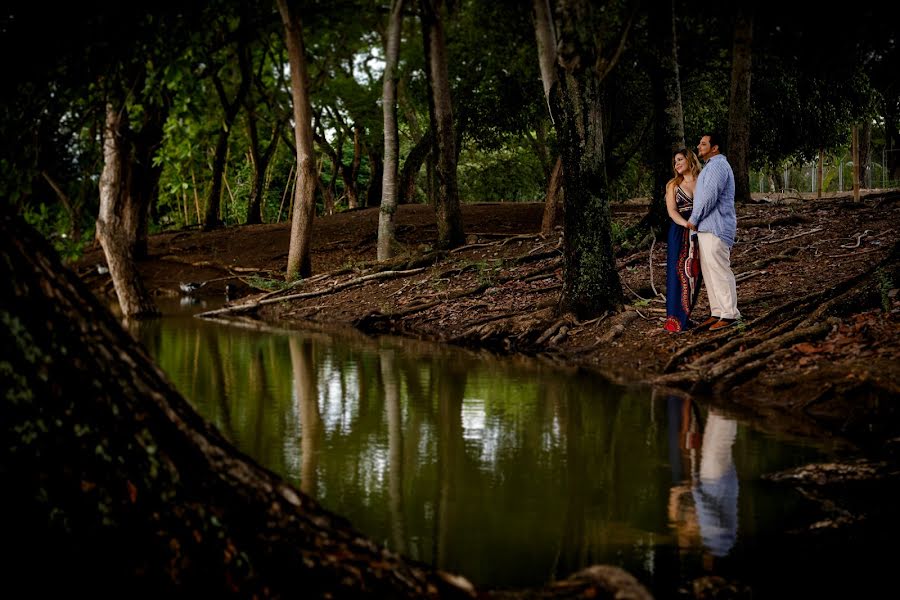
390,175
668,117
738,149
591,282
299,260
446,200
121,212
546,46
231,107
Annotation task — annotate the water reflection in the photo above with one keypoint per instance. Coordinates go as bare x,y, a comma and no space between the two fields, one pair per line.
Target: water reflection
509,472
703,501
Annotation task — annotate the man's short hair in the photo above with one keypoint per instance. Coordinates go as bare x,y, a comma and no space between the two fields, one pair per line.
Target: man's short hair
716,139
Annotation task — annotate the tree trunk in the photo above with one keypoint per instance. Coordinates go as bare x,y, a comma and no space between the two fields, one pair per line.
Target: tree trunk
552,205
820,173
865,155
299,260
351,173
739,105
231,108
145,175
591,282
854,152
119,215
546,45
411,167
446,200
376,174
389,181
667,112
259,160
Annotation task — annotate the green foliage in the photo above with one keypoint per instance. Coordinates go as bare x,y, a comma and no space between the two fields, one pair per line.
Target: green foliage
511,172
267,284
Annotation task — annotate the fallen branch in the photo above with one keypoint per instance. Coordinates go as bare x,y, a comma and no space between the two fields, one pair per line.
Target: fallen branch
791,237
353,282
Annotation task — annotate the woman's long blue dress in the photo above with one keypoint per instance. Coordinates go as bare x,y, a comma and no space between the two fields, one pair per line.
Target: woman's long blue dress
682,268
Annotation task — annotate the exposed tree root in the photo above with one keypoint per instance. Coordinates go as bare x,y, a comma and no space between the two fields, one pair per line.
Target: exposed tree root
740,354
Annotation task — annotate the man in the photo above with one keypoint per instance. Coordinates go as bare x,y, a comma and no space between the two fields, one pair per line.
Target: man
715,221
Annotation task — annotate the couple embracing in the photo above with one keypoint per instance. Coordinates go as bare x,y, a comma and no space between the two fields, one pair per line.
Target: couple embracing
701,206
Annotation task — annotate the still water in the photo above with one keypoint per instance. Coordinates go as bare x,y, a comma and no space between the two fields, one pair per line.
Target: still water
509,472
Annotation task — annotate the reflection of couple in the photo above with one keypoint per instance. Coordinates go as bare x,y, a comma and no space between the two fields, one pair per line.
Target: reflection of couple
703,500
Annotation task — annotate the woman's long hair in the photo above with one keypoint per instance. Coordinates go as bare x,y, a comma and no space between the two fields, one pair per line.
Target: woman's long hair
693,165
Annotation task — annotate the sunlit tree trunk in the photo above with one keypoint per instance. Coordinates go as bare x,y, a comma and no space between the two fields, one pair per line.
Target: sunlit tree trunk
299,260
738,148
591,282
668,117
446,198
389,180
119,217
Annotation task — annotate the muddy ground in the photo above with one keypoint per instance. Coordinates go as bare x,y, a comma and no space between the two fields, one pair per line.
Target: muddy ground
818,352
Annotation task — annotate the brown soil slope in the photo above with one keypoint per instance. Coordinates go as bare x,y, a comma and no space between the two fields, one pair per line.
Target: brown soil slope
817,287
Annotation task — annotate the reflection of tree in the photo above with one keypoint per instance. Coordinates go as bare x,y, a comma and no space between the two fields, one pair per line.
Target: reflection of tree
395,448
216,376
573,551
450,385
310,422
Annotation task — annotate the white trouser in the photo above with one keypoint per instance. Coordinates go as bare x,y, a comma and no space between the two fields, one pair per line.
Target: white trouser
715,263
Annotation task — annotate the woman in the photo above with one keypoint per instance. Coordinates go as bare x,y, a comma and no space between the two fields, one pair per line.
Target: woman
683,260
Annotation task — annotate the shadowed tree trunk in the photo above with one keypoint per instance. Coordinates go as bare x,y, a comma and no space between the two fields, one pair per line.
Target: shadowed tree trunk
738,148
446,198
546,45
389,181
260,163
667,113
376,174
211,221
120,215
299,260
865,155
411,167
591,282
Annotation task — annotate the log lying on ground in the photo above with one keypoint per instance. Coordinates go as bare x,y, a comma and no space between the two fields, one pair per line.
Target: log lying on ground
115,487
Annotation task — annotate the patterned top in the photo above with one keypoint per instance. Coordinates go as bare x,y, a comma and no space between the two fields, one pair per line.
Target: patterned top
683,203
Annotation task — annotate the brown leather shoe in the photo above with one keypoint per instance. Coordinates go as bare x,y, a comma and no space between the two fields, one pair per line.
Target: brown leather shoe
722,324
707,323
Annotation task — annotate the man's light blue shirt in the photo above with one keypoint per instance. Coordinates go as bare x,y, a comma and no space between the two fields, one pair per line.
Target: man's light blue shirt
714,200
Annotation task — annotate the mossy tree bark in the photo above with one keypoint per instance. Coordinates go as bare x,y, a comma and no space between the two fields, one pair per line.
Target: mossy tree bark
591,283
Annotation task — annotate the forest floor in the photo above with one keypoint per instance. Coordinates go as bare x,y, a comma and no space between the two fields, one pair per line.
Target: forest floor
817,353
